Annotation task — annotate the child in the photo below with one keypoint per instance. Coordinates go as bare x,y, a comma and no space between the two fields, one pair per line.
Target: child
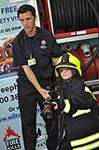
79,128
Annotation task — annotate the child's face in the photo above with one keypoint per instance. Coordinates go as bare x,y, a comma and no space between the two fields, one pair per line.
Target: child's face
66,73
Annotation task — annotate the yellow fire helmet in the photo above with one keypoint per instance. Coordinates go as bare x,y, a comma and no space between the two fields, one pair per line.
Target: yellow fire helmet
68,60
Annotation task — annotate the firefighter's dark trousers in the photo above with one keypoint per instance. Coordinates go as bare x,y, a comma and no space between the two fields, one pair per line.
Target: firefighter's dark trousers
28,98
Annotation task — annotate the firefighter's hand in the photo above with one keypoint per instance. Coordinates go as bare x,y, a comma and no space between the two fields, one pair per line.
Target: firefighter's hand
45,94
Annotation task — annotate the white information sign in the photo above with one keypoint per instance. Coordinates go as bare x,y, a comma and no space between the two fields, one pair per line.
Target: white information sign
9,23
10,121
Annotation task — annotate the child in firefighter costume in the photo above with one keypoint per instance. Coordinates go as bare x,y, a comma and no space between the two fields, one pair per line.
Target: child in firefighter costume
79,125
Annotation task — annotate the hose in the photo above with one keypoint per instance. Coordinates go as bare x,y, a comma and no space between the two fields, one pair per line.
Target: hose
76,15
96,52
73,15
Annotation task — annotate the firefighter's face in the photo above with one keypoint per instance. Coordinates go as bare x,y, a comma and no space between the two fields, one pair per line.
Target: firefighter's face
28,22
66,73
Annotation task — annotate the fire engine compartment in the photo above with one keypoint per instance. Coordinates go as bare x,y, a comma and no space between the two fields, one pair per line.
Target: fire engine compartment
75,24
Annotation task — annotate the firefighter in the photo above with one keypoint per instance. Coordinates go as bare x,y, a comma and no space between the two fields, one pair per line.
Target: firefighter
33,49
79,128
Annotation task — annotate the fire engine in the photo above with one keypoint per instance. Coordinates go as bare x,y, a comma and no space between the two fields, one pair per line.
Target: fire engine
75,25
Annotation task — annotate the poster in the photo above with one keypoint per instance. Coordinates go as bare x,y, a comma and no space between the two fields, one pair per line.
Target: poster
10,121
10,124
10,26
9,23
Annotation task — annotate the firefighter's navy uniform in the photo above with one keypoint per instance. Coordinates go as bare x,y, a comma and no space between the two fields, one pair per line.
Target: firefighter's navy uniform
80,118
36,52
